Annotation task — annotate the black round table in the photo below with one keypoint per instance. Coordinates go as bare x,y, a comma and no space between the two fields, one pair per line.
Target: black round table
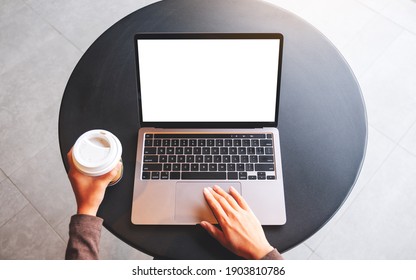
322,119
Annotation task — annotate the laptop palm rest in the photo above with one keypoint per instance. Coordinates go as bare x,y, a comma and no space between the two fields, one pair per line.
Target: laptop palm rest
190,204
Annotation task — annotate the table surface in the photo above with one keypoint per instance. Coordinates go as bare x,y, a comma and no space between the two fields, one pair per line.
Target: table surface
322,119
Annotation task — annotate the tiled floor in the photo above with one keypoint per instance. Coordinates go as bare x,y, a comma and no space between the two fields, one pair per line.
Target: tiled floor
42,40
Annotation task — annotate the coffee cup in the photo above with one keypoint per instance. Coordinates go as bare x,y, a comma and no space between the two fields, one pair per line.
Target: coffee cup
97,152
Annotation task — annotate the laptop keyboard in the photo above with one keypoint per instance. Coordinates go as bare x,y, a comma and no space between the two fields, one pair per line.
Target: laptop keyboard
208,157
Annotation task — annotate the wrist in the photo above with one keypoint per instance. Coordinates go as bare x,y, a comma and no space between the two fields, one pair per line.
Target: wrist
92,211
262,251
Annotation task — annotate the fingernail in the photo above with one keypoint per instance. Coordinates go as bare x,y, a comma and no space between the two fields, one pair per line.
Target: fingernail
206,191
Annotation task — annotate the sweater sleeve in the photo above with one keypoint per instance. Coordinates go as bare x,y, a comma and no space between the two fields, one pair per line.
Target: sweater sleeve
84,238
273,255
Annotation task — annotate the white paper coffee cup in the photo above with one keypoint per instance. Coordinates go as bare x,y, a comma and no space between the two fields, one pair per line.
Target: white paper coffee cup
97,152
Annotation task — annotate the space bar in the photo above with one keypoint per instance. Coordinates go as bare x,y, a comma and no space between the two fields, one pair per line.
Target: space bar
204,175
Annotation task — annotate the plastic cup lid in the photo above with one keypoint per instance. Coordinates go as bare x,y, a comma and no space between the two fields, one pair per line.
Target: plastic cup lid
97,152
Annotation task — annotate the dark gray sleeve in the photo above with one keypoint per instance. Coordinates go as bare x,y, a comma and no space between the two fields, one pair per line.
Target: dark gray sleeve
84,238
273,255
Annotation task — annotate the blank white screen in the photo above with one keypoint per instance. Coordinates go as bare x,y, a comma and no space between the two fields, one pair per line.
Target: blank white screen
202,80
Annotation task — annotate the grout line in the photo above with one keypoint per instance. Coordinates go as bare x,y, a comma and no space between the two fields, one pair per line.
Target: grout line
53,27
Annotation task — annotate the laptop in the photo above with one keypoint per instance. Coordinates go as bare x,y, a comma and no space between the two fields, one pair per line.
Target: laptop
208,106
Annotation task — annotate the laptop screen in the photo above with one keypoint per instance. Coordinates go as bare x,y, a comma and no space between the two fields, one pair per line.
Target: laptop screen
208,80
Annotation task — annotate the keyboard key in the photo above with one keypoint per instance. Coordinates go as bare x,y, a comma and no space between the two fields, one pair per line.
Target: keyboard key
242,175
179,151
244,159
249,167
199,158
226,159
210,142
217,159
208,159
176,167
175,142
232,176
175,175
254,159
202,143
219,142
166,142
268,151
264,167
170,150
240,167
266,159
167,167
204,175
251,151
152,167
190,159
237,142
224,150
183,142
161,150
192,142
271,177
188,151
155,175
222,167
212,167
260,151
203,167
235,159
246,142
146,175
148,143
255,143
233,151
171,158
185,166
147,136
252,177
194,167
228,142
164,175
231,167
157,142
151,158
163,158
206,151
149,151
261,175
215,151
266,143
242,151
181,158
197,150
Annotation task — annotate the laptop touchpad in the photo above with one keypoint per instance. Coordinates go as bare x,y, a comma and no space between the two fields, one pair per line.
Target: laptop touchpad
190,204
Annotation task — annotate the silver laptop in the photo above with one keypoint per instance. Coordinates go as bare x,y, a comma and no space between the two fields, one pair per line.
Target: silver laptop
208,107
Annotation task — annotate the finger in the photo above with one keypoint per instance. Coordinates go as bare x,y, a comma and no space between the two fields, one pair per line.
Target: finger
214,232
215,206
239,199
228,197
223,202
112,174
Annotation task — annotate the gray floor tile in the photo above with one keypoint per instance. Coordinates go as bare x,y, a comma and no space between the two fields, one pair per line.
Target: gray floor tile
28,236
11,201
388,88
112,248
315,257
44,182
300,252
370,43
2,175
377,5
8,9
21,34
403,13
89,19
30,94
339,20
380,223
409,140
